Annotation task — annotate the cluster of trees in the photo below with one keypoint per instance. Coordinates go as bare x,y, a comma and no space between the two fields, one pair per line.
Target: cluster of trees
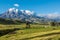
54,23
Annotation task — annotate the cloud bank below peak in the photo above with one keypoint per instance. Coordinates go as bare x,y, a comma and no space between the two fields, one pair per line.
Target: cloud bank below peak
50,15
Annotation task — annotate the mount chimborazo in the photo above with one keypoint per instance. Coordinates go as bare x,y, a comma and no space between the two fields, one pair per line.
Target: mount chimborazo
24,15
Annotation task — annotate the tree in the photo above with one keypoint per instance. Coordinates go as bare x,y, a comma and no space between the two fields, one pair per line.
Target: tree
52,23
27,24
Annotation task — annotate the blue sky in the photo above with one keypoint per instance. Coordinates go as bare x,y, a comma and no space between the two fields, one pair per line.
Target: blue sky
39,6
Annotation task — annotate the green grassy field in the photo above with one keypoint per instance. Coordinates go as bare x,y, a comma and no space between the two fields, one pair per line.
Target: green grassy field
36,32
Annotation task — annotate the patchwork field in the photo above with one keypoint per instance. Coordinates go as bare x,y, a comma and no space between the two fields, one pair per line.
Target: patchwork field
36,32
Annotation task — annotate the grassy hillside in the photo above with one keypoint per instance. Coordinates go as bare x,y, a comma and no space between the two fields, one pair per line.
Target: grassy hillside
36,32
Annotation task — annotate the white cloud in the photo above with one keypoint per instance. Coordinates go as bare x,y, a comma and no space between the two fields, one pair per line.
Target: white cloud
17,5
53,15
50,15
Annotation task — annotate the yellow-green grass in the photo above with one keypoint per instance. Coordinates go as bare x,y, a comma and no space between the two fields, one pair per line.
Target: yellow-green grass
36,32
38,35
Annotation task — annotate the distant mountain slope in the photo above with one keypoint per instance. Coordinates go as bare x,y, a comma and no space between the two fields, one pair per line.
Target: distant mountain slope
10,21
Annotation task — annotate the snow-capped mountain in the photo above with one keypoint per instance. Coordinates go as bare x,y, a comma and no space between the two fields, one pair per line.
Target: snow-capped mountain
23,15
26,15
15,13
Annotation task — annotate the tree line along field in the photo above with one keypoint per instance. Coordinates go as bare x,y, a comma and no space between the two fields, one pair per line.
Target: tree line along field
35,32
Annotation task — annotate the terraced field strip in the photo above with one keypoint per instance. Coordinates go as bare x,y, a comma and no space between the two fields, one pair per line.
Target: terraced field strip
45,37
39,34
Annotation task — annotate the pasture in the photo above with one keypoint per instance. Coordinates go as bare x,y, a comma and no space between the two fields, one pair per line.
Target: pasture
36,32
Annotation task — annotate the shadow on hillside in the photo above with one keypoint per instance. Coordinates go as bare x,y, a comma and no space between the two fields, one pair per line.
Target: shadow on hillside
41,36
8,31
